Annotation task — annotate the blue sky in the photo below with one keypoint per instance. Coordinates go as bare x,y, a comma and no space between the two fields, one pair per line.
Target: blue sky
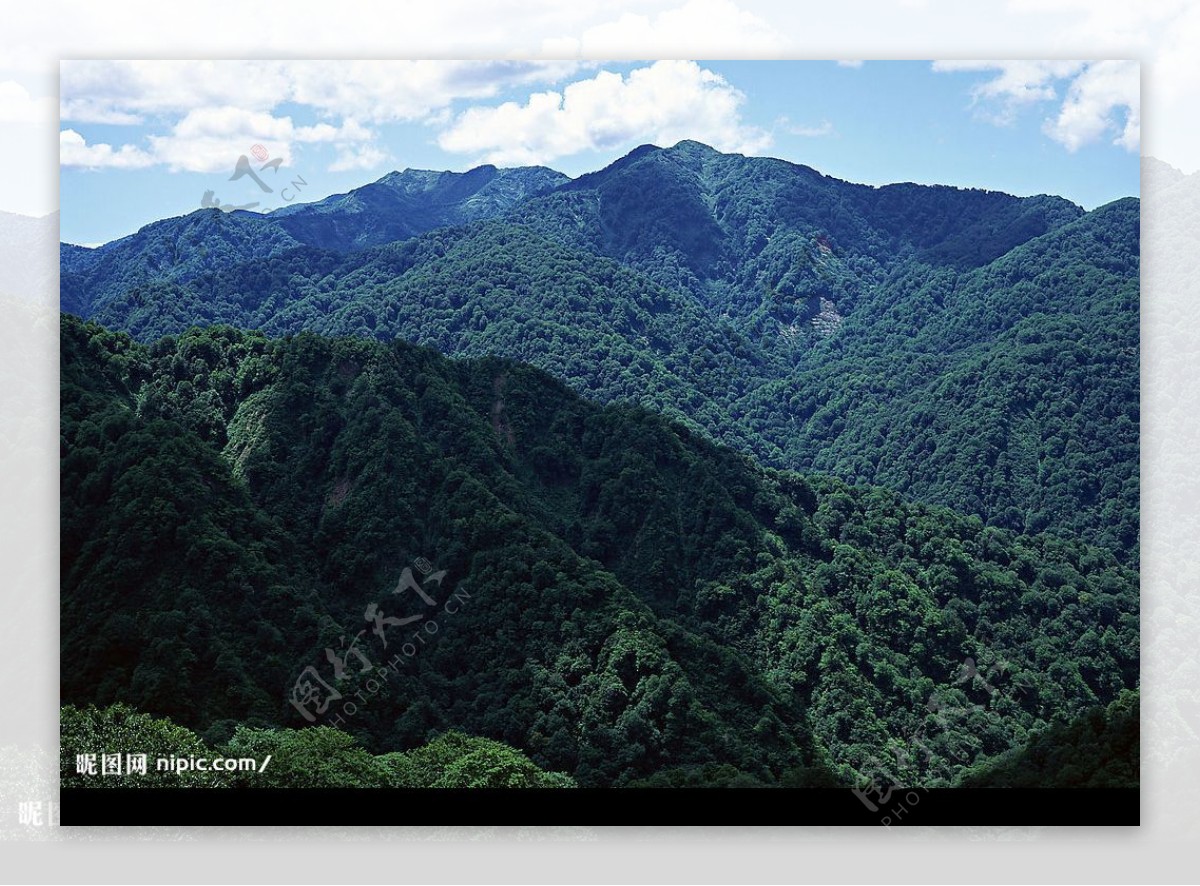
141,141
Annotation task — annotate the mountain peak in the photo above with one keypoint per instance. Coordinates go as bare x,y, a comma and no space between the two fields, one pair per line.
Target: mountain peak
639,151
687,147
405,203
483,169
691,146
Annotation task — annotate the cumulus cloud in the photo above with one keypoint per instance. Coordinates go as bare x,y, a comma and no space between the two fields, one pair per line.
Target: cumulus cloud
1164,31
211,140
128,92
18,106
1101,98
219,108
107,91
73,150
697,29
392,91
361,157
664,103
1015,84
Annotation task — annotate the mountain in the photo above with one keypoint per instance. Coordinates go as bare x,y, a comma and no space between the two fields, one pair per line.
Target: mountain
717,224
24,240
1177,202
632,603
1009,391
1160,177
728,227
491,288
406,204
175,249
969,348
398,206
1099,749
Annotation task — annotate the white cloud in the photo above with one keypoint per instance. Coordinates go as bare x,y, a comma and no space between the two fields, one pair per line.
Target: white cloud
208,113
663,103
212,139
1108,21
28,158
697,29
18,106
818,131
73,150
388,91
850,63
1101,97
362,157
1016,84
1102,100
1164,33
350,130
107,91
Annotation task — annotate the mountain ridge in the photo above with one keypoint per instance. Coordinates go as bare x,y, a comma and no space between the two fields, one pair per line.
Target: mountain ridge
760,302
637,602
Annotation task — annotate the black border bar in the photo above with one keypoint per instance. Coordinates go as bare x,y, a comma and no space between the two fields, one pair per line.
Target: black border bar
186,807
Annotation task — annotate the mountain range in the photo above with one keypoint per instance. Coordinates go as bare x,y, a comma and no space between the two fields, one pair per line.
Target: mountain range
817,324
640,604
737,465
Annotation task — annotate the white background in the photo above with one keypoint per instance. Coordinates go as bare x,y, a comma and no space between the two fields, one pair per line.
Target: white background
1163,34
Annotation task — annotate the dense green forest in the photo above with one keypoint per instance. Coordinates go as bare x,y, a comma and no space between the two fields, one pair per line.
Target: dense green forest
406,204
1099,749
966,348
178,250
619,600
398,206
319,757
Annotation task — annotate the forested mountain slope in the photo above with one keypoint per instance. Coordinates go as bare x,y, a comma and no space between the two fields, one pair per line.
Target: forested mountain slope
406,204
1007,390
171,250
640,603
396,207
728,227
